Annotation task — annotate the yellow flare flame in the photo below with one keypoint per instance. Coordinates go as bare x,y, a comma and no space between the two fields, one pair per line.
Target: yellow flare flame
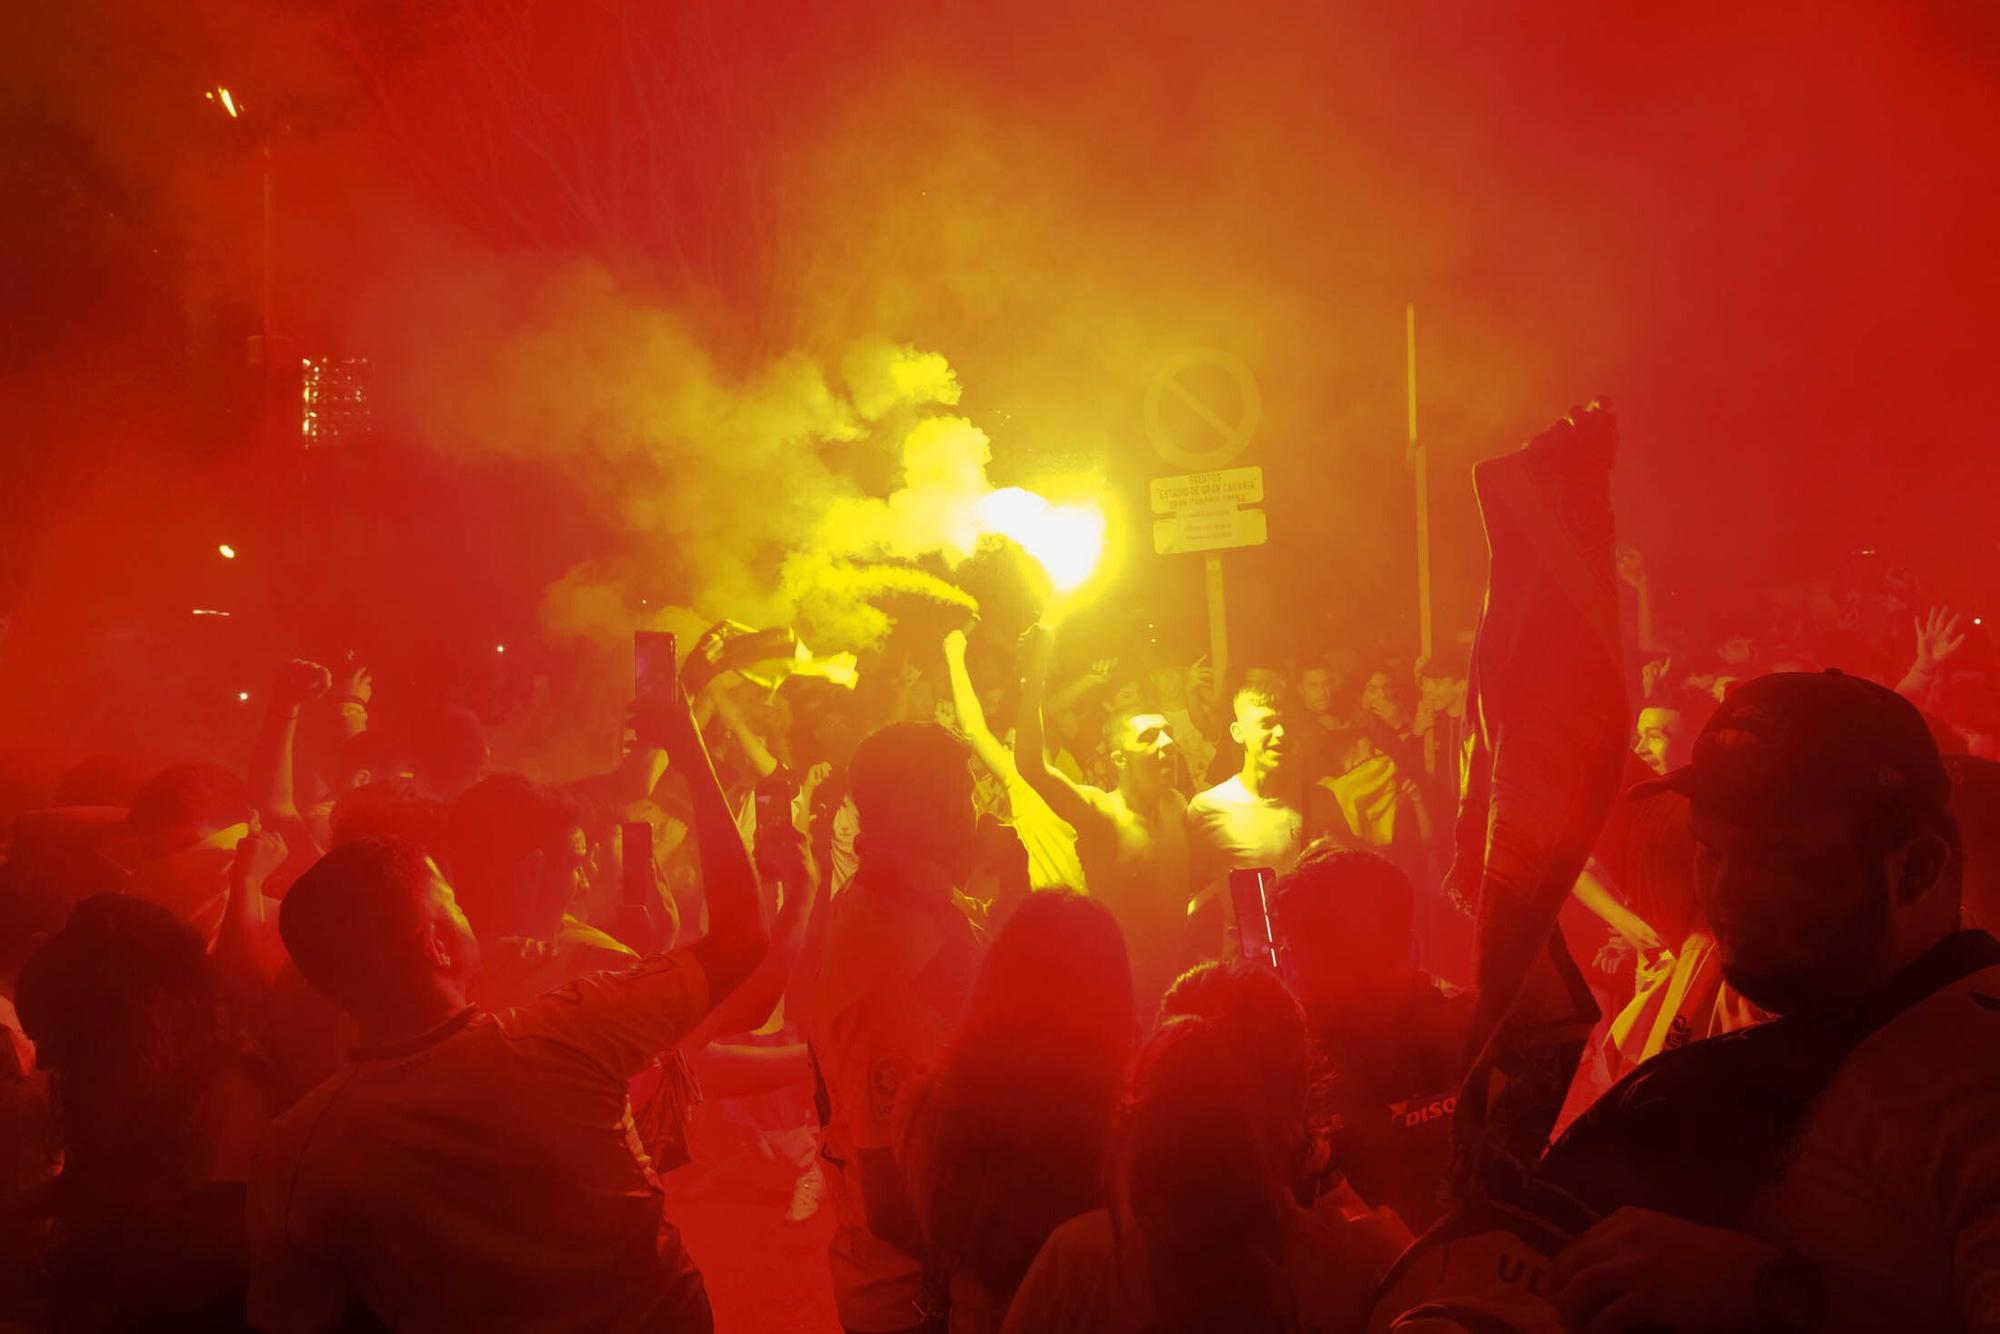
1067,540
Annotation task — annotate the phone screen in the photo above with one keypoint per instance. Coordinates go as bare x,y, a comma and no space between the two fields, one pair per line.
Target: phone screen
652,663
1250,895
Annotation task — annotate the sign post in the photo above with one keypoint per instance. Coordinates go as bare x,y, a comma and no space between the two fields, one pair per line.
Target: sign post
1200,412
1209,512
1420,469
1420,472
1218,619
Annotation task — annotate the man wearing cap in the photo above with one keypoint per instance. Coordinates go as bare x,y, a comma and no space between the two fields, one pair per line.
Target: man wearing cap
1829,872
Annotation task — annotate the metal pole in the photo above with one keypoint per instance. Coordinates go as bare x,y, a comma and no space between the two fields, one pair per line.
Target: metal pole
1218,620
1420,467
267,252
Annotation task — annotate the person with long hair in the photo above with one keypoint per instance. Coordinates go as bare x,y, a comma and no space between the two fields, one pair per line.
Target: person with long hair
1007,1140
1203,1234
158,1100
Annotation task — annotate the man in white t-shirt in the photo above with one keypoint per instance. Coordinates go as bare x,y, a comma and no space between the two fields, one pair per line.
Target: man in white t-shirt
1247,821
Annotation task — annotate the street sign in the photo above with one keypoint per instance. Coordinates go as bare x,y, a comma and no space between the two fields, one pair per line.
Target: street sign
1211,526
1202,408
1230,486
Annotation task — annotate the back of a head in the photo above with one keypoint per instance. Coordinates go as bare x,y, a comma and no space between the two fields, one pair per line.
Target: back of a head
393,808
497,826
909,781
1060,952
1198,1170
1345,911
110,778
1259,1013
351,921
188,800
105,974
1010,1141
125,1007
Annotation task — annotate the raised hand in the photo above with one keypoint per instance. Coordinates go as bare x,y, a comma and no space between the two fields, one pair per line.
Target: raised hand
358,683
259,854
1940,633
1201,678
299,682
1653,676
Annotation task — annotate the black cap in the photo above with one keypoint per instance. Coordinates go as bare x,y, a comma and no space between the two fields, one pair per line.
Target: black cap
1793,743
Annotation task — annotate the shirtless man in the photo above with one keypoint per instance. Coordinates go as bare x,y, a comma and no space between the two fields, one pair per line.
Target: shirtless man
1131,840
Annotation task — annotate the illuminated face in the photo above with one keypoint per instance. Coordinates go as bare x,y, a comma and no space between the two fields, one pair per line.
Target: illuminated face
1659,739
1145,746
1800,914
1316,690
1375,697
1260,728
564,876
452,933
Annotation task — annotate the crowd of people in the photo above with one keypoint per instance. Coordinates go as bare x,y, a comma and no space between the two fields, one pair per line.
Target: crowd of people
1122,998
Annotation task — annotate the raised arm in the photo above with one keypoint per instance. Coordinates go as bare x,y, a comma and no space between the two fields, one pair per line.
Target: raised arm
357,689
247,949
1596,895
732,715
1940,634
297,684
1632,569
1065,798
784,853
971,716
736,941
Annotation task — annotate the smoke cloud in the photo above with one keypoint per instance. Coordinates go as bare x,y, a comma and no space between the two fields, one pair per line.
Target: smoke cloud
702,307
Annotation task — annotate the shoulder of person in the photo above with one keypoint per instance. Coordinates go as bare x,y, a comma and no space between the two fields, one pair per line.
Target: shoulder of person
1945,1049
1214,798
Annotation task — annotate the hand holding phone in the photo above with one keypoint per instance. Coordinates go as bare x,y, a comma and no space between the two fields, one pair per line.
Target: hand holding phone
660,715
1250,895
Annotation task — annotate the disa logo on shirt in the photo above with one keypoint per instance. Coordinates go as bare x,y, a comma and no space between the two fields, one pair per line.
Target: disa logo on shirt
1410,1115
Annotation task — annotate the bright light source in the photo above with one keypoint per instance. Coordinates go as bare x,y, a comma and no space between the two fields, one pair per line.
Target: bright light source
208,611
1068,540
228,102
227,552
243,696
1978,621
499,648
